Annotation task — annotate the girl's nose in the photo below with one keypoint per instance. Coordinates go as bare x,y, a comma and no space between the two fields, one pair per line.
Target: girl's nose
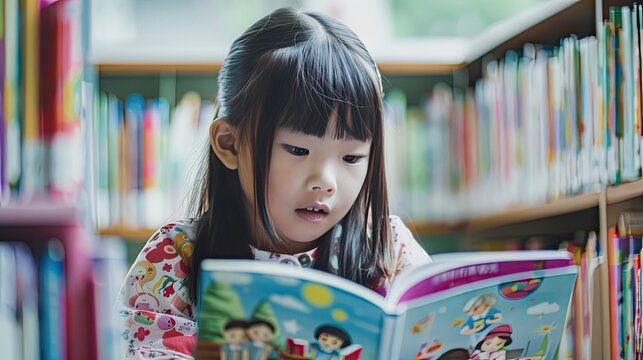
327,188
323,179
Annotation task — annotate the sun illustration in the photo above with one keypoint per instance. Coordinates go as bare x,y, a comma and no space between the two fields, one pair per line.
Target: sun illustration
317,295
546,329
339,315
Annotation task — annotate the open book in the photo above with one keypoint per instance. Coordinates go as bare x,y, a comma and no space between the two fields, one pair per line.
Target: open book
463,306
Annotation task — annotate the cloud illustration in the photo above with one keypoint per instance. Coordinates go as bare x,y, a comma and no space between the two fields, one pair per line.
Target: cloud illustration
232,279
543,309
289,302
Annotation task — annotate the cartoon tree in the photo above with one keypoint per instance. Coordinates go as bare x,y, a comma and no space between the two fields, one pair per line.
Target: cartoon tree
263,311
220,304
556,352
542,349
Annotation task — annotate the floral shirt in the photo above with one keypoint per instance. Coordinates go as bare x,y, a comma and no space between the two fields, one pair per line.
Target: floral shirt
159,317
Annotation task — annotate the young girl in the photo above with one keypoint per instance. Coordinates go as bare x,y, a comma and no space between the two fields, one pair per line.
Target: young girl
294,174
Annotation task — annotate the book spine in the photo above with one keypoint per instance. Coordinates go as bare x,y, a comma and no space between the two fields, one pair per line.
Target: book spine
52,302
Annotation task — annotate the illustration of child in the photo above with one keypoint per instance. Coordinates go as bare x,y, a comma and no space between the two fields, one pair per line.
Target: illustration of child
235,348
481,313
492,347
330,340
260,332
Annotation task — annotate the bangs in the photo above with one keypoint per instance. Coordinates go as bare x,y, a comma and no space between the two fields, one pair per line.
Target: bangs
322,84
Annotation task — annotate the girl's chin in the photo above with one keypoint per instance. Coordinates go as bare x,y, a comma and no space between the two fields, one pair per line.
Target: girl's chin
300,246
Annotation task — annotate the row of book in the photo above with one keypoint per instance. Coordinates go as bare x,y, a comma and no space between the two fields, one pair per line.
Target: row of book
582,331
548,123
597,320
147,156
43,117
551,122
56,296
624,251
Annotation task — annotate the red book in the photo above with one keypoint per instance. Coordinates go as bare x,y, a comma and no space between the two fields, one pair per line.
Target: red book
296,346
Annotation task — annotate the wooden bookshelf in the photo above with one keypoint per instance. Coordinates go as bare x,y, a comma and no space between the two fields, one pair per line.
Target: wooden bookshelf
512,216
38,215
520,214
128,233
144,68
415,68
624,192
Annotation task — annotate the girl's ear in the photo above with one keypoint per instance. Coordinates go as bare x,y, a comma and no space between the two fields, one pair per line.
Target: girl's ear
223,141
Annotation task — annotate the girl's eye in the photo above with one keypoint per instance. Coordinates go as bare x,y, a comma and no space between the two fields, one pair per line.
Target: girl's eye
352,159
297,151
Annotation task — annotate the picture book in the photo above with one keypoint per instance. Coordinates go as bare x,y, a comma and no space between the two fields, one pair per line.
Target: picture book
489,305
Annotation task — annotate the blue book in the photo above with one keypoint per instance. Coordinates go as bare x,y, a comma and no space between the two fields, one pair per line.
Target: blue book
52,302
134,106
484,304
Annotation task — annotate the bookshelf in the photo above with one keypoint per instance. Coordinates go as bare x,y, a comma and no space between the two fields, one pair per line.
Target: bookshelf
627,192
38,225
560,219
545,23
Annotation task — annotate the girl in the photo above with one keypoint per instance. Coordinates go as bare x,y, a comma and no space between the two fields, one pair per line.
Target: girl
294,173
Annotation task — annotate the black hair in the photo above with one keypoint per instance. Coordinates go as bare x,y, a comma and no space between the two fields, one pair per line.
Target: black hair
254,322
335,331
235,324
296,70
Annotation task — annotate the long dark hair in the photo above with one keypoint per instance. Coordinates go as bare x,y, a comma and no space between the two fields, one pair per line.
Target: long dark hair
296,70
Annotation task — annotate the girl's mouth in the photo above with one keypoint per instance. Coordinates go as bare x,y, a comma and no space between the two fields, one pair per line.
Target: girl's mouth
312,214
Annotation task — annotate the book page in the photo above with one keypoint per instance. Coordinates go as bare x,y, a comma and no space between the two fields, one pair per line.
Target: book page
248,307
454,269
518,316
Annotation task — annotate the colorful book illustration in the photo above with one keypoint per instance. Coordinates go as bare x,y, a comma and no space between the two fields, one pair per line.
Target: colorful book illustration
511,304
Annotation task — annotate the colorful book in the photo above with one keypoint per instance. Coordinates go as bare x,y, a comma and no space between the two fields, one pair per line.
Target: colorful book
458,307
4,185
27,300
52,302
12,87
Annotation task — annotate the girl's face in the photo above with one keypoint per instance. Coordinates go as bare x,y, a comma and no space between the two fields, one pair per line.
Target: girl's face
260,332
312,184
493,344
329,341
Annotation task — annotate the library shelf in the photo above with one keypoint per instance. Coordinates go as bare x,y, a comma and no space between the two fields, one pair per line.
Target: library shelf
413,68
143,68
519,214
511,216
127,232
625,191
38,215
